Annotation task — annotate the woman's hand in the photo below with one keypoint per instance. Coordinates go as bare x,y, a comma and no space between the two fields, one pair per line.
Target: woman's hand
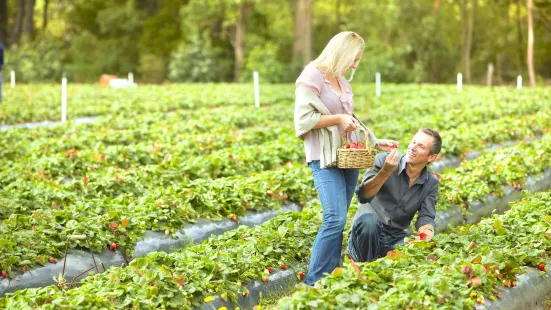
348,123
387,145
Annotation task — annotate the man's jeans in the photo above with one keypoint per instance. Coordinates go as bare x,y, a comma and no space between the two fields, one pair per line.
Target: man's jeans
370,239
335,189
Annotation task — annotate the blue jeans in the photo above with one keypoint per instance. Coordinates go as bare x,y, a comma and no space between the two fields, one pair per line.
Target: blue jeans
370,239
335,189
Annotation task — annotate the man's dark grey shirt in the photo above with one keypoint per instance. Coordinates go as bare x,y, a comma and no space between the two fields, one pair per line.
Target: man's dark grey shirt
396,203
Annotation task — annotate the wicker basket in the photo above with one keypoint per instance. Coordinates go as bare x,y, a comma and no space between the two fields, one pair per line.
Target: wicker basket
356,158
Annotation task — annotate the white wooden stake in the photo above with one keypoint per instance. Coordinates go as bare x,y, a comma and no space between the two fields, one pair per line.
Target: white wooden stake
519,82
489,75
378,84
12,74
256,90
63,100
459,82
130,79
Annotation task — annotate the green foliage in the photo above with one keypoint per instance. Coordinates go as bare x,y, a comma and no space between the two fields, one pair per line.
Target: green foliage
406,41
199,61
264,59
35,61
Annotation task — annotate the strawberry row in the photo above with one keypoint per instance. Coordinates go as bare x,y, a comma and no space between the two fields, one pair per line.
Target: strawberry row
220,265
480,113
238,160
124,190
202,130
223,264
164,211
428,100
488,174
456,270
127,129
74,163
33,232
41,102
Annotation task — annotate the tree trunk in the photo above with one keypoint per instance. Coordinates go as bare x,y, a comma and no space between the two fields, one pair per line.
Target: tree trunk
302,43
29,19
338,16
239,49
307,56
530,51
45,15
520,43
4,22
16,33
468,25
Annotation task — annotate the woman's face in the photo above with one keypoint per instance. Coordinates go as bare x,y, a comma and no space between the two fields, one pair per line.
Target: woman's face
356,61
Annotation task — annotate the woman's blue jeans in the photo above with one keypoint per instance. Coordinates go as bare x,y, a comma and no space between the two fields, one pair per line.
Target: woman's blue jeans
335,189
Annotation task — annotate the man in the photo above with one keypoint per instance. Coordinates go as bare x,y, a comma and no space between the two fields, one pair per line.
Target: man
391,193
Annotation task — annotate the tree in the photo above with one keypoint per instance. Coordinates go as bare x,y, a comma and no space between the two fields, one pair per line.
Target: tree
18,27
29,19
239,41
45,14
530,51
468,23
302,41
4,22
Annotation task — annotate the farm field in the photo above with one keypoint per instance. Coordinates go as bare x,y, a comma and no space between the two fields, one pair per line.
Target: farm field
158,159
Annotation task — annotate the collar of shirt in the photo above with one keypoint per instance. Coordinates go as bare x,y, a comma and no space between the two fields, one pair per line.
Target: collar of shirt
423,177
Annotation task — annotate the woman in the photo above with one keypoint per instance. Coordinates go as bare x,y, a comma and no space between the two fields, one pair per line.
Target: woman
323,111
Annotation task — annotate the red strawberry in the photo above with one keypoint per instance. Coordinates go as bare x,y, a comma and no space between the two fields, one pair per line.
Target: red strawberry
347,146
113,246
54,203
233,218
473,295
301,204
270,269
301,276
266,280
283,267
422,236
541,267
52,260
354,145
4,274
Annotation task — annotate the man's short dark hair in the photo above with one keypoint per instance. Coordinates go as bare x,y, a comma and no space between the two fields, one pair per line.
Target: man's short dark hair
437,143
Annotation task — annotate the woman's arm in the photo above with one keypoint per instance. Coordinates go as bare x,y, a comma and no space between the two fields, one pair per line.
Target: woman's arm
346,121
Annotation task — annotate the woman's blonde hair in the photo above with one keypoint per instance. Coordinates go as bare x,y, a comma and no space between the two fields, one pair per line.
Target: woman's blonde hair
340,53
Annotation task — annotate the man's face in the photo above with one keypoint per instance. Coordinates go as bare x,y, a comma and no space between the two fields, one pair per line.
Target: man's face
419,149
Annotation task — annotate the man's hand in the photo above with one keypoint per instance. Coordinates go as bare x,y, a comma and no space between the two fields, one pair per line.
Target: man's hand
348,123
391,162
426,232
387,145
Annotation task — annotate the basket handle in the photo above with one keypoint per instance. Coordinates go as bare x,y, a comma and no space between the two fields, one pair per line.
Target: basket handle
344,137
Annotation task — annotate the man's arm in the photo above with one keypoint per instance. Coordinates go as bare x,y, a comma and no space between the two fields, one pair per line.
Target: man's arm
427,213
383,169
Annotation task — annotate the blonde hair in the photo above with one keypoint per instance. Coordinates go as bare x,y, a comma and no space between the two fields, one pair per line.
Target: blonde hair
340,53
